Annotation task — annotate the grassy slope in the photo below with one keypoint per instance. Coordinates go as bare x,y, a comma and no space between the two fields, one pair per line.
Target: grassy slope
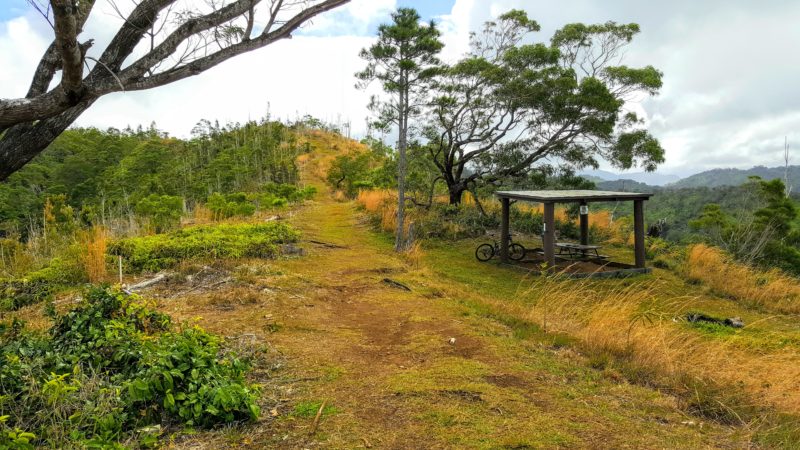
381,359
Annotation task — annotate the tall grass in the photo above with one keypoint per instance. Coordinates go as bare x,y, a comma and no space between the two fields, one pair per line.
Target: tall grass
383,204
94,242
769,290
622,329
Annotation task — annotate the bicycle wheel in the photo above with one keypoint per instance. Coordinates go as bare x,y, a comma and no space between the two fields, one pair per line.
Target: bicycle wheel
516,252
484,252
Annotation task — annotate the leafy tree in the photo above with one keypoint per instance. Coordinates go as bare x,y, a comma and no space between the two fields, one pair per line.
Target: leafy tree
403,60
349,173
780,211
509,107
181,41
765,235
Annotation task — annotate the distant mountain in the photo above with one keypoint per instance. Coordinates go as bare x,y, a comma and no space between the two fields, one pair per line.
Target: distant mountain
650,178
627,186
735,177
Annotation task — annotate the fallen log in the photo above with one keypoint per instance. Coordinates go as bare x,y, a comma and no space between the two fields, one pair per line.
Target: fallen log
396,284
147,283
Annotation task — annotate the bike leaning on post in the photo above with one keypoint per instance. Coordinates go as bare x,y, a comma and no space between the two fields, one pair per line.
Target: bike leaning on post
485,252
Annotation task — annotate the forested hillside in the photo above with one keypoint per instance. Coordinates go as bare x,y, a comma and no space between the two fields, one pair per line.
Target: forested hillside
106,174
734,177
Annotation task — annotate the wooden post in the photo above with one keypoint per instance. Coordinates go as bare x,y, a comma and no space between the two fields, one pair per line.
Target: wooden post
584,217
504,229
549,235
638,232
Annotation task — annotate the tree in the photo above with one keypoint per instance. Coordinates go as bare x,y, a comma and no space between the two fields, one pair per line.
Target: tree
403,60
763,235
178,43
507,105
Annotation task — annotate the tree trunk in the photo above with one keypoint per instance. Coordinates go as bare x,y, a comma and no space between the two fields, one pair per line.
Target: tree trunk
456,193
399,243
456,190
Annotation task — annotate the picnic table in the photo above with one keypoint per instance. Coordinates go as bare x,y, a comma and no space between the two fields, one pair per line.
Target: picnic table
579,251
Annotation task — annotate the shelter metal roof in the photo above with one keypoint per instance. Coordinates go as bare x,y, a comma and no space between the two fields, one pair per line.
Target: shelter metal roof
571,196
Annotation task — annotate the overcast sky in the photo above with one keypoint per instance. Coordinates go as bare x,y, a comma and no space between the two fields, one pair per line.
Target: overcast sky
731,70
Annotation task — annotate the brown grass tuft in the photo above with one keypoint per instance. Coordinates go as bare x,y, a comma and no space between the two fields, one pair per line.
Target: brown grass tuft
201,214
770,290
413,254
94,242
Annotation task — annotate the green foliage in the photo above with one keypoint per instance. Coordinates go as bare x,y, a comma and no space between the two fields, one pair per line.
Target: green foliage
103,174
354,172
163,212
154,253
230,205
272,195
109,367
14,438
479,125
767,235
186,377
40,285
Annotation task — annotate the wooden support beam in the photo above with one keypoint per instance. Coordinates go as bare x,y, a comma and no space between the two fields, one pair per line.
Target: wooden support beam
638,232
584,218
504,229
549,235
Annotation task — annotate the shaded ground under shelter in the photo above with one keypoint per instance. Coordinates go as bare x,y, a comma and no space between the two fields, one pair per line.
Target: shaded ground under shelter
554,252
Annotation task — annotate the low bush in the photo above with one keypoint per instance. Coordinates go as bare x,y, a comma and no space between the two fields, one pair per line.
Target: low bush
110,367
40,285
243,204
154,253
160,212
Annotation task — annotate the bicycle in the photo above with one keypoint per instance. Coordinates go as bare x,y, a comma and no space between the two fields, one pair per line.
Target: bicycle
485,252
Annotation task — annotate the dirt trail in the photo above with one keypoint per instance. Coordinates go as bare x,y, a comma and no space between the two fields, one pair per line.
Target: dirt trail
415,369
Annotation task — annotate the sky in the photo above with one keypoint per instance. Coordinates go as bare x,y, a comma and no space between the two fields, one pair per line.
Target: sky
731,74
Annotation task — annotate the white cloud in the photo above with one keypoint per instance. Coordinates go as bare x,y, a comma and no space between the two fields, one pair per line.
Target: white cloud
304,75
20,49
354,18
730,92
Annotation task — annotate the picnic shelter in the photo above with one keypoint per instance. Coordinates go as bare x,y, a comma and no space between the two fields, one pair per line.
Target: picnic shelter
549,198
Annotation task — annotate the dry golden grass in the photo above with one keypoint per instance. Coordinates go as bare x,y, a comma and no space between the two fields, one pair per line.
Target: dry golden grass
624,322
770,290
93,257
413,255
325,147
383,203
201,214
374,201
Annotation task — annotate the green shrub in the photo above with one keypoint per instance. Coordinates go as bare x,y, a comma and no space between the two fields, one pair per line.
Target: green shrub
163,212
40,285
14,438
230,205
185,377
242,204
109,367
154,253
290,192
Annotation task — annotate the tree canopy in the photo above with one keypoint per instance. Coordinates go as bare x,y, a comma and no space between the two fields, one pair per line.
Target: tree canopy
509,106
